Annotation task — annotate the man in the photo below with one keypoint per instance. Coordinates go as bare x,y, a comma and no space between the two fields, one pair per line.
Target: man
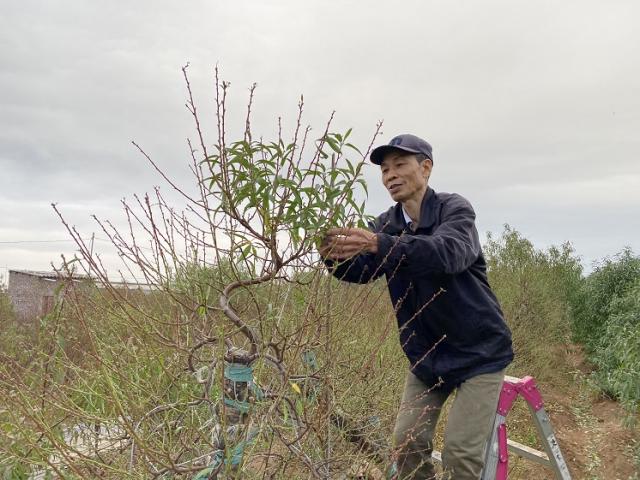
451,327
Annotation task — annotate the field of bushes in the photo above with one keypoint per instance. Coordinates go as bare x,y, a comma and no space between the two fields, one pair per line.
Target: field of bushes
121,383
123,360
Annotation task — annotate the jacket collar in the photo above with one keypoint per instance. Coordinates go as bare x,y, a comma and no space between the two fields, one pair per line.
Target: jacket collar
428,207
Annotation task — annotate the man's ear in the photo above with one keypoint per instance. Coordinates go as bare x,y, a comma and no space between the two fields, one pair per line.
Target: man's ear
427,165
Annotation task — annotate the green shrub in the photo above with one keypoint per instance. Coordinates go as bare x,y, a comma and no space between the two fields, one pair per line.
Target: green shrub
6,309
617,352
533,287
594,302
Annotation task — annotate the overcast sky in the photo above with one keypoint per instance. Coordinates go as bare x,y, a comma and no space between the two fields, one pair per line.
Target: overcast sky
533,108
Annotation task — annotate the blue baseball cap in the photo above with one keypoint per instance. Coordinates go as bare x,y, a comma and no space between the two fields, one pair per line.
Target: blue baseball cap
406,143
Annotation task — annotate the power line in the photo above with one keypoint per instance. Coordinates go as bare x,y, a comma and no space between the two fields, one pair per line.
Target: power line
22,242
34,241
10,242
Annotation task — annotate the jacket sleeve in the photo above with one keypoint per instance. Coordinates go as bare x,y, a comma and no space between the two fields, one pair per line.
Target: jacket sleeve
362,268
452,247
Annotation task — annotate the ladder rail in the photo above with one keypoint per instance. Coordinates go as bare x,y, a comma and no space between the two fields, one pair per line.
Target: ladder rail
550,444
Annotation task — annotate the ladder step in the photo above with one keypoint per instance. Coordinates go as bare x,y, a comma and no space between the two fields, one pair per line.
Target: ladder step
528,453
515,447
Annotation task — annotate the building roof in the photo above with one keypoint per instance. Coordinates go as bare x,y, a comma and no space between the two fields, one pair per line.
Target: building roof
50,275
77,277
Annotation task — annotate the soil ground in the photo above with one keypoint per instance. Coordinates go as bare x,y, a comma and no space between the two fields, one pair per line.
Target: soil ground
592,430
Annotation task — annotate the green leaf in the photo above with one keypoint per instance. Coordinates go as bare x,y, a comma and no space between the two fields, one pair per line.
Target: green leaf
332,143
353,147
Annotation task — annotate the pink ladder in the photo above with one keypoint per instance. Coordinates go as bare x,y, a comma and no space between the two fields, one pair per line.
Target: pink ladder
497,456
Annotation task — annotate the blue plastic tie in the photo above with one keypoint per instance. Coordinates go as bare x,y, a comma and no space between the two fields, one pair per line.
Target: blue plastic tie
392,472
238,372
234,459
310,360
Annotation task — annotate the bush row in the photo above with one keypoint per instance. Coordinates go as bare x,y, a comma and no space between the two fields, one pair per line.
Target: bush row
548,302
606,319
534,287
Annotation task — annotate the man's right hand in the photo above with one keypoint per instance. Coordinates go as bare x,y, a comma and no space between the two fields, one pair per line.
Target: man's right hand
344,243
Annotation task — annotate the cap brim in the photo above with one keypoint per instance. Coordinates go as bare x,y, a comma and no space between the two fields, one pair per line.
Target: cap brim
378,153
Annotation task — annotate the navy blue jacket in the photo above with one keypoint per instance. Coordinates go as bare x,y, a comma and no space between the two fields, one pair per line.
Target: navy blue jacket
443,255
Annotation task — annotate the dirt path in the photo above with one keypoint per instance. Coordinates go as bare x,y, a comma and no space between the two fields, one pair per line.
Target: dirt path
590,429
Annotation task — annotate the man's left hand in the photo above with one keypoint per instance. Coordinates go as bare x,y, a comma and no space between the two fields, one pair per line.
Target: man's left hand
343,243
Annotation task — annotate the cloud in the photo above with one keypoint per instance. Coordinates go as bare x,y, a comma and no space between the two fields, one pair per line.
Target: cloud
533,108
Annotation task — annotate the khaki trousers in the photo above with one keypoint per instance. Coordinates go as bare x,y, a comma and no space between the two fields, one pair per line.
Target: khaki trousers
466,433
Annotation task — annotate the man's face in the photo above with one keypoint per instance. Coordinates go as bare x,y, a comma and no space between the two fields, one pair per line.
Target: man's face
404,177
